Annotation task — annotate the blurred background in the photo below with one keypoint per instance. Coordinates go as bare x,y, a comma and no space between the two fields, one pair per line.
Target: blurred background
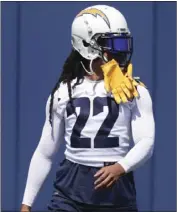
36,40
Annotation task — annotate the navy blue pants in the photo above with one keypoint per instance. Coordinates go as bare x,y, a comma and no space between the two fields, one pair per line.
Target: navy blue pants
74,191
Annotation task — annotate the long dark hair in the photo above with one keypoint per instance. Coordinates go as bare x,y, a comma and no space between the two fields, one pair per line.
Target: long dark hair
72,69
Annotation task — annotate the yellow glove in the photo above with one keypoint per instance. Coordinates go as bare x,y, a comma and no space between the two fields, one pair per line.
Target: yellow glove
122,86
116,82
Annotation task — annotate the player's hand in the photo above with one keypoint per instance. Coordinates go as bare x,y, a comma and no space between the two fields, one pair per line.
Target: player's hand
123,87
25,208
107,175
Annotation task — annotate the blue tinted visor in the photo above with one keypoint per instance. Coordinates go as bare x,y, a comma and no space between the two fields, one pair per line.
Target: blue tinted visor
116,44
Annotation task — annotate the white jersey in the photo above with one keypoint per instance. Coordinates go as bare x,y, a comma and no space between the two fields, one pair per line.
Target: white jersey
101,131
95,129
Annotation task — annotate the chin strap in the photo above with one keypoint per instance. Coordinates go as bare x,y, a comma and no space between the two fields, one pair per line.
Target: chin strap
91,72
104,58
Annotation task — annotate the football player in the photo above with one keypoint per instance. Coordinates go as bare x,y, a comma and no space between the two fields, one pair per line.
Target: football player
95,108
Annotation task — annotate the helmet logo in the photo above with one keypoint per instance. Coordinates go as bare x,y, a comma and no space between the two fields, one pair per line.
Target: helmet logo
95,12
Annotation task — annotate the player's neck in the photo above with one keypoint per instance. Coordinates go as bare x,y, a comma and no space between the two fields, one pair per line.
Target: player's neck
95,76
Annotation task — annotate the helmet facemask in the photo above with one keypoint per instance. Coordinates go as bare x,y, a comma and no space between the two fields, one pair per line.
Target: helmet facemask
118,46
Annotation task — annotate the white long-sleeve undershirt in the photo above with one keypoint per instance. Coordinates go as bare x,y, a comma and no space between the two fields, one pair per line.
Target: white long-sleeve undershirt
43,156
143,130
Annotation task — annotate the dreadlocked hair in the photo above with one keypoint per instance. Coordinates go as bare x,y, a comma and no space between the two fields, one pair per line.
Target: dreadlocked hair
72,69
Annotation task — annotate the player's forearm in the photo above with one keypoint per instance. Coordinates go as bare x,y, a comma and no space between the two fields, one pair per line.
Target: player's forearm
138,155
39,169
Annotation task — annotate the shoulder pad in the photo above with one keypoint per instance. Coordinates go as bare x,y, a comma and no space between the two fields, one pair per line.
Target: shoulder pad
137,79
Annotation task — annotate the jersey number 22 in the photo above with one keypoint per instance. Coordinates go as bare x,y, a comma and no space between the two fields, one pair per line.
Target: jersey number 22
101,139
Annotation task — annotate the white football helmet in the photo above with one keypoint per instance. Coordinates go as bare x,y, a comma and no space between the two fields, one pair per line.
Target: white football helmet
102,28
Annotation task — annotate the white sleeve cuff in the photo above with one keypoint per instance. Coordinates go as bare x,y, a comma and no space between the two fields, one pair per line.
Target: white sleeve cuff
125,166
